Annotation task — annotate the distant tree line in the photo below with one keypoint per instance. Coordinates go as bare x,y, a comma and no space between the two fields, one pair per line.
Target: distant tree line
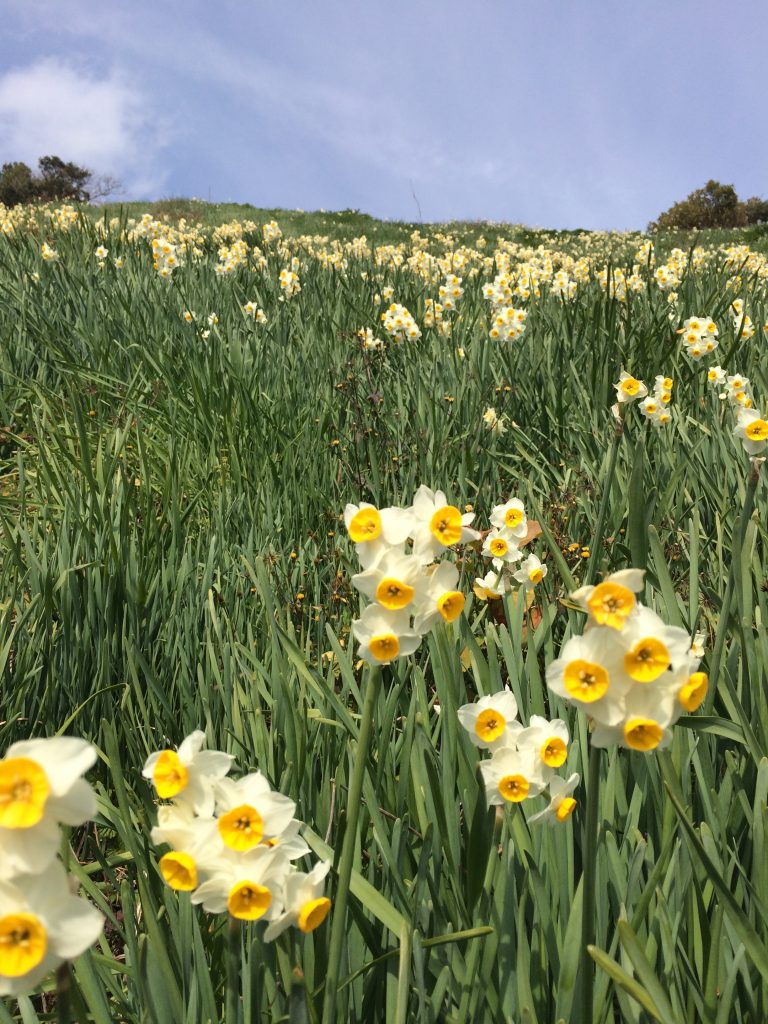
714,206
56,181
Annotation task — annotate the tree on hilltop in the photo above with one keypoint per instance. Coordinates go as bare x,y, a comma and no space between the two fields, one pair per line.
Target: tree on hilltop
714,206
57,181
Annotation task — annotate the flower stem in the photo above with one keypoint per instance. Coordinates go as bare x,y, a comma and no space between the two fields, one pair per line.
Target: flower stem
597,538
232,1005
338,926
62,994
739,531
588,887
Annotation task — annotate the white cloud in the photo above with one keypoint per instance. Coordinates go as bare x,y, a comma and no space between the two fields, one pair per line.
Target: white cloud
52,107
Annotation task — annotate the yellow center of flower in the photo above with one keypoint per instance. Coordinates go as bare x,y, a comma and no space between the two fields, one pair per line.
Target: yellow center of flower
179,871
313,913
712,375
24,789
693,693
170,775
393,594
610,604
514,788
384,646
242,828
630,386
450,605
445,525
498,547
536,575
647,660
248,901
365,525
757,430
643,734
565,808
489,725
23,944
554,752
513,517
585,680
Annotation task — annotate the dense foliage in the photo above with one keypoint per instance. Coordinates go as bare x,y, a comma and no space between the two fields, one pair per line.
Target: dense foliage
174,469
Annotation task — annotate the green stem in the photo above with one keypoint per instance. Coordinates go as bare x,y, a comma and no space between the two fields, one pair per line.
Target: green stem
597,539
62,994
588,887
740,531
338,926
232,1005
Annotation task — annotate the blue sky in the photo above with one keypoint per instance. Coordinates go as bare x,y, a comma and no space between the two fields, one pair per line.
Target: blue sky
595,114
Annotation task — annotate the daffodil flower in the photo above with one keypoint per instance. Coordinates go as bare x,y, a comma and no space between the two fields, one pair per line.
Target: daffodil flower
629,388
511,517
42,925
188,774
752,430
384,635
511,776
249,888
41,787
561,804
303,902
250,812
491,721
438,525
531,572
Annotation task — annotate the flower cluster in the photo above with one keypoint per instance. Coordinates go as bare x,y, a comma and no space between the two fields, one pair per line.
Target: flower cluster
742,324
655,406
629,388
368,340
409,594
502,543
699,336
629,671
289,283
271,232
523,759
252,310
165,257
507,323
450,292
233,843
41,923
399,324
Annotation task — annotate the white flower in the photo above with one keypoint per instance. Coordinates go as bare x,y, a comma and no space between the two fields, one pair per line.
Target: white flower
501,547
40,788
629,388
494,422
438,525
752,430
491,721
493,585
531,572
303,904
394,580
384,635
548,741
249,888
188,774
375,530
41,925
561,803
250,813
511,776
510,516
440,598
